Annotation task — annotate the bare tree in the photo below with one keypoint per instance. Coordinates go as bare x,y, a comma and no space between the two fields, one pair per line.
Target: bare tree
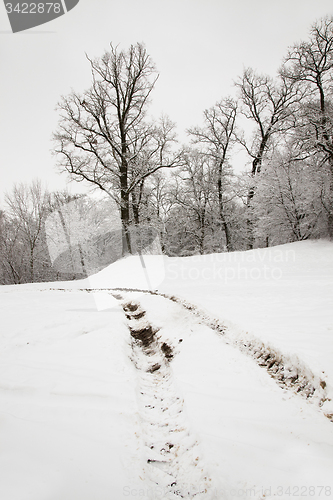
11,252
269,105
156,205
103,136
193,197
158,153
217,137
311,64
287,202
28,207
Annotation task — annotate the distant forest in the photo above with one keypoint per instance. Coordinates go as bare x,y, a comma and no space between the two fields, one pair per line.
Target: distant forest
159,195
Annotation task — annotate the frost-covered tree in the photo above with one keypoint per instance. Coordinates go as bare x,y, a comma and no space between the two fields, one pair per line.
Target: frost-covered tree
24,250
287,205
268,104
193,224
104,137
27,210
216,139
310,64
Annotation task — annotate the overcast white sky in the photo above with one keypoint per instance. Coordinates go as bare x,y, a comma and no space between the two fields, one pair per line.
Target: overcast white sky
198,46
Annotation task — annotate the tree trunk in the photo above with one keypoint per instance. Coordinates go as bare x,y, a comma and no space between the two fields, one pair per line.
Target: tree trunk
227,236
330,225
124,205
32,277
124,214
68,240
256,168
135,209
202,232
82,261
250,238
330,206
221,210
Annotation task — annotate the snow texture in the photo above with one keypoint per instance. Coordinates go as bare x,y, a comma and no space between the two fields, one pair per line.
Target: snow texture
215,384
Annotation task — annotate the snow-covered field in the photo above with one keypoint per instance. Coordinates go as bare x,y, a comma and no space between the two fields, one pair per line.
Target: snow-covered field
87,412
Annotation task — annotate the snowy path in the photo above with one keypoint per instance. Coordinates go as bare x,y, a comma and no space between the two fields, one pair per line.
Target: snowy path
288,371
171,451
161,404
174,454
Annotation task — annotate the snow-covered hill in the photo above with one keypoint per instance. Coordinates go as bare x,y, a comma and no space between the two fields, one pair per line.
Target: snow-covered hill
90,412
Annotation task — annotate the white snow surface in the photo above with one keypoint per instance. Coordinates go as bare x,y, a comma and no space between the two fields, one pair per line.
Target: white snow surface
83,418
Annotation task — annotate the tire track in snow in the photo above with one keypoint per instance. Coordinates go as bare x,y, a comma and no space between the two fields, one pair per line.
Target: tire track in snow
289,372
171,452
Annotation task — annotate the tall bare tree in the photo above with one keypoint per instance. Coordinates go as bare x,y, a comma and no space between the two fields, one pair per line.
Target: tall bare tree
269,105
217,138
311,65
103,136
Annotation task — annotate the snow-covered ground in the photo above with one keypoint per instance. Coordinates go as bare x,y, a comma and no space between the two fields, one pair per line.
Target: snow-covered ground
88,412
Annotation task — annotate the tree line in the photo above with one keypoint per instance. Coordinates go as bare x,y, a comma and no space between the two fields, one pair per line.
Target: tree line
24,255
190,194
